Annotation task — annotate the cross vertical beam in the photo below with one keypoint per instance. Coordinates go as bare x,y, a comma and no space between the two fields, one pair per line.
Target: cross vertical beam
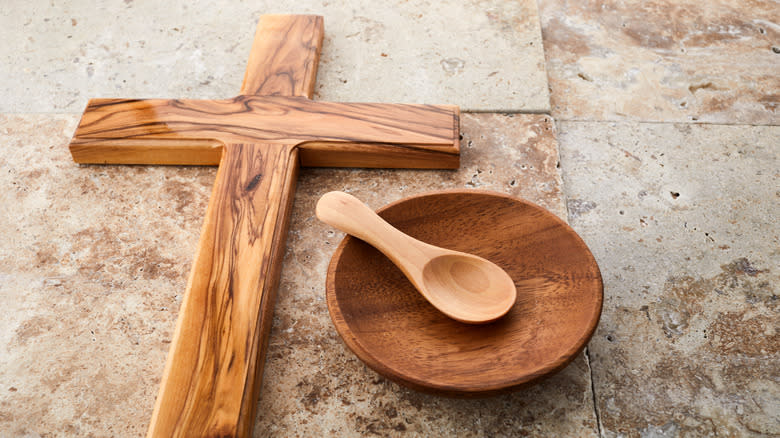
215,364
284,56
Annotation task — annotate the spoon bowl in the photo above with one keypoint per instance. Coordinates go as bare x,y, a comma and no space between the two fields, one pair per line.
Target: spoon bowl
468,288
463,286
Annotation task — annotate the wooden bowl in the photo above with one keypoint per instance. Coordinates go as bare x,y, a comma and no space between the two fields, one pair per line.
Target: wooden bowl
395,331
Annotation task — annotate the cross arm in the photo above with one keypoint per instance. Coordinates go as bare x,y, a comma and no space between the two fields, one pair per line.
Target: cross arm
159,131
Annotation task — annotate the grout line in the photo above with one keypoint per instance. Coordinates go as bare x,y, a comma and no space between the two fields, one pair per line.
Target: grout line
593,393
661,122
506,111
587,348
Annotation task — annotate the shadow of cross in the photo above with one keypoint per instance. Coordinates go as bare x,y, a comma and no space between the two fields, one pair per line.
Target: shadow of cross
258,139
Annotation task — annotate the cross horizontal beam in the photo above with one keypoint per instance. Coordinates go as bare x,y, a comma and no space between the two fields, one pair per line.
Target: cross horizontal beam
160,131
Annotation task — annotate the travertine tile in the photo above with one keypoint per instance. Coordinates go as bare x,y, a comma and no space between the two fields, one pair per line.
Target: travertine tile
480,55
683,222
663,60
93,260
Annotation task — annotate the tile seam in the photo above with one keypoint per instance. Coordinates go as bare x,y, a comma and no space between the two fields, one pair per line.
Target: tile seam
662,122
593,393
506,111
596,412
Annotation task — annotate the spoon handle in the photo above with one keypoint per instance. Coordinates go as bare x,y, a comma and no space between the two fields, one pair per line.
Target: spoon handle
352,216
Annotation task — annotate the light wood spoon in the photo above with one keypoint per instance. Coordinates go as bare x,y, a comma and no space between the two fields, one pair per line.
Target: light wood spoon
463,286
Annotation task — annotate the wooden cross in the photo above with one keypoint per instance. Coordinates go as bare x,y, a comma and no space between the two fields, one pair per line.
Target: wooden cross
259,139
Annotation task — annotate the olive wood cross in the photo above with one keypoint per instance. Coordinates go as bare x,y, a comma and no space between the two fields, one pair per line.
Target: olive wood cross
259,139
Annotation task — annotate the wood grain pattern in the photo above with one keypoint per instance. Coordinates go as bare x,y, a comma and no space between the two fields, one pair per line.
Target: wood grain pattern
209,379
281,43
259,139
424,135
383,319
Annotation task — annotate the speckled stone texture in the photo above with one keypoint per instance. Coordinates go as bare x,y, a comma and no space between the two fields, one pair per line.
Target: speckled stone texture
681,216
663,60
94,260
478,54
682,220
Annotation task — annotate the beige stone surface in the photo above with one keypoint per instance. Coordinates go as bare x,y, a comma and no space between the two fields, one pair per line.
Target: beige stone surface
94,259
663,60
93,262
683,222
478,54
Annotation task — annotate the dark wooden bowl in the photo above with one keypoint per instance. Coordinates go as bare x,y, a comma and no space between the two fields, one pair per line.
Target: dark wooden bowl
393,329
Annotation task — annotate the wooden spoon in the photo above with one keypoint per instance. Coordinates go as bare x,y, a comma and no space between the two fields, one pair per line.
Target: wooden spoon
463,286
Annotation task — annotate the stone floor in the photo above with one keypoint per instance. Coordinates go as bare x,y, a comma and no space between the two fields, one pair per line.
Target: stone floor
680,214
663,60
54,57
682,220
